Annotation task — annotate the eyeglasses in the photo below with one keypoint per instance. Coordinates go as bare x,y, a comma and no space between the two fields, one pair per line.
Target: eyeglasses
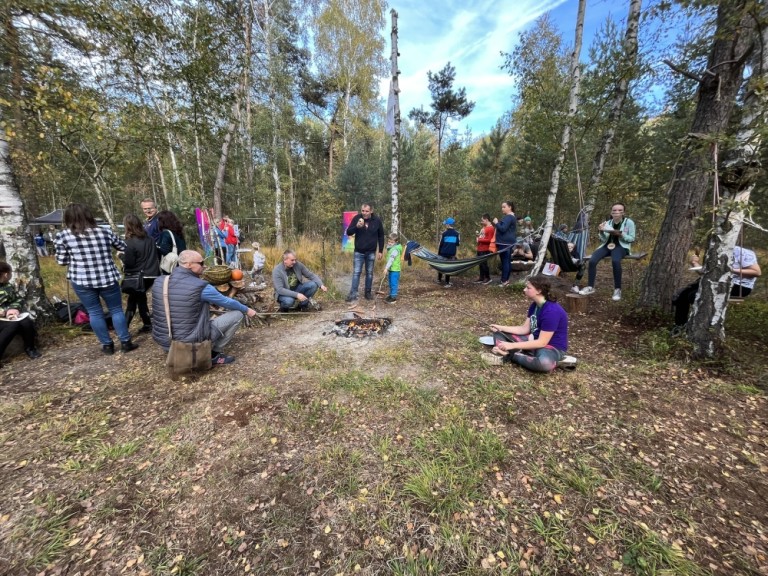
201,263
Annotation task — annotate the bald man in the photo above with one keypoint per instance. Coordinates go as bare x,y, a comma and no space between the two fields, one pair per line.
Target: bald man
190,298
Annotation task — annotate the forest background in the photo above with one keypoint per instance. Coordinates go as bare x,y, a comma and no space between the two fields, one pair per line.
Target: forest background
269,111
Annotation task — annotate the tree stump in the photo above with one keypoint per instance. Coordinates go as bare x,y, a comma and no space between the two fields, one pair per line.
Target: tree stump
576,303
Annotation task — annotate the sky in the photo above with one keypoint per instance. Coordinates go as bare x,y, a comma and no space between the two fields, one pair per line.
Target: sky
471,35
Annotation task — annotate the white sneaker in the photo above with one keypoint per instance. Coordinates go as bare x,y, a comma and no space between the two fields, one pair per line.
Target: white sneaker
587,291
567,363
616,295
575,289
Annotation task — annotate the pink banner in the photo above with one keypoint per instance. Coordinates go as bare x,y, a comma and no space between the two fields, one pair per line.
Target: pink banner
347,243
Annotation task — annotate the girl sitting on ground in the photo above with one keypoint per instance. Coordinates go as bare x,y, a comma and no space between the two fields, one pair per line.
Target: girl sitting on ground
539,343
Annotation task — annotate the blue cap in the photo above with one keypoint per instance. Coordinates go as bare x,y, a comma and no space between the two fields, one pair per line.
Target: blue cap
449,221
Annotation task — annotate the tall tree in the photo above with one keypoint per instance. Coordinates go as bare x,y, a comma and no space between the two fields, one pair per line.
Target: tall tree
738,177
718,87
573,104
447,104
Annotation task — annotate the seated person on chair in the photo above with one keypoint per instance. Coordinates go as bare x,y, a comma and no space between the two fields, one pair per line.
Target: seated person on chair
11,306
616,237
745,270
521,252
542,340
295,284
190,298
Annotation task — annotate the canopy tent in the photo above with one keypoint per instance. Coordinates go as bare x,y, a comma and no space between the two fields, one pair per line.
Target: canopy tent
55,217
443,265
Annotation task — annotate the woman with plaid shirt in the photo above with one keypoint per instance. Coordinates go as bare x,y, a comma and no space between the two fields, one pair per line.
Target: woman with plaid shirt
86,249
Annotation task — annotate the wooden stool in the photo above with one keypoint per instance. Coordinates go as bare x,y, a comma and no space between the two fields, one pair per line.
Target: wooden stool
576,303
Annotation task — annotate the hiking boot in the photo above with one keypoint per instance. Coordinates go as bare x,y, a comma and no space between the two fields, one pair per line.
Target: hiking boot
33,353
108,348
350,298
220,359
587,291
368,296
146,328
491,359
128,346
616,295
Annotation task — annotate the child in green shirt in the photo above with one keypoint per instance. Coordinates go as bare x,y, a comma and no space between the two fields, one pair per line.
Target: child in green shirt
393,267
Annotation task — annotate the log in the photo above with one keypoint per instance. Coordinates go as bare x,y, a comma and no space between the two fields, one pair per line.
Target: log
576,303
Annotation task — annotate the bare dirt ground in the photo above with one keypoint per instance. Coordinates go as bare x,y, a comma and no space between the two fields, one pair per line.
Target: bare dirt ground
399,454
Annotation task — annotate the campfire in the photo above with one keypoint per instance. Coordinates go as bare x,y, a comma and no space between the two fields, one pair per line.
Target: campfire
361,327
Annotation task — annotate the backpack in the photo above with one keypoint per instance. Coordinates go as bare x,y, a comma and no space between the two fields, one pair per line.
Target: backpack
62,310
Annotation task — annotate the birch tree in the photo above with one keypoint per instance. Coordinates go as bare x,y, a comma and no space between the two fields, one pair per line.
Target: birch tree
573,104
718,86
738,177
16,244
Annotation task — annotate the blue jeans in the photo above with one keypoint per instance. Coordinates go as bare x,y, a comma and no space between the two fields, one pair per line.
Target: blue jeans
369,260
394,282
91,299
306,288
617,254
506,262
231,253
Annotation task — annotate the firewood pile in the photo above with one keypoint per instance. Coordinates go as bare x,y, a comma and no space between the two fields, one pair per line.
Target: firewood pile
360,327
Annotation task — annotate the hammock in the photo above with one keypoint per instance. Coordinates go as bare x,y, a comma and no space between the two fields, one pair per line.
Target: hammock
443,265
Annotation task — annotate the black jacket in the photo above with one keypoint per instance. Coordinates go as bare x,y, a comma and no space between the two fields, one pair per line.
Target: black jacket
366,237
141,256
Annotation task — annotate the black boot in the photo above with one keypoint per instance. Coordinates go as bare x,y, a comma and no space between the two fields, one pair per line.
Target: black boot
33,353
127,346
108,348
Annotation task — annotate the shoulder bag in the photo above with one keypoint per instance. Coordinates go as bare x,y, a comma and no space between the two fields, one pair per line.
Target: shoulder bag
170,260
133,283
184,356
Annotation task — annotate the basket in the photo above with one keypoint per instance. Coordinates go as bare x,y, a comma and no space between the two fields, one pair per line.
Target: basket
219,274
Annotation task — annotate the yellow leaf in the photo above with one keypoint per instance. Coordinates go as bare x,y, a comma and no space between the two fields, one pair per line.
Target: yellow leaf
591,540
316,554
500,554
21,464
558,498
273,440
327,529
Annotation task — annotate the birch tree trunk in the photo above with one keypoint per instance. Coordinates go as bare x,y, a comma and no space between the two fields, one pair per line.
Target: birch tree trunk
161,174
393,109
218,185
739,174
573,105
619,96
693,177
16,244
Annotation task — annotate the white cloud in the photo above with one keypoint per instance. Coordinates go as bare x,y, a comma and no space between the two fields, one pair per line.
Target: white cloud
432,33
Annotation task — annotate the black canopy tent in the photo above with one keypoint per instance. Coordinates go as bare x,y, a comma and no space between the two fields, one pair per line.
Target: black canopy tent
53,218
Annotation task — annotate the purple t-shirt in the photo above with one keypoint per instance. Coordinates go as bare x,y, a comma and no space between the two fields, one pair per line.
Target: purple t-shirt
551,318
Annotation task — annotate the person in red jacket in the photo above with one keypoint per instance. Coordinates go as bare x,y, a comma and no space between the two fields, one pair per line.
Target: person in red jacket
484,237
227,226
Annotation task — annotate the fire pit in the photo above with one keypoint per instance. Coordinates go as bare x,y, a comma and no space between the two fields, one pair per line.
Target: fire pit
361,327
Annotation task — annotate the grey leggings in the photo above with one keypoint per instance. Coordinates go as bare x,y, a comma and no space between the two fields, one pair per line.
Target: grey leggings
540,360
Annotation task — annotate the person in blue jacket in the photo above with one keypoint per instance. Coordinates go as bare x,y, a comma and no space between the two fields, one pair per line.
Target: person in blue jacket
449,246
506,237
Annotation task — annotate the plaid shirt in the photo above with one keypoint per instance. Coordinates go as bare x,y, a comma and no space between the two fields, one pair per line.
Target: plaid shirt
89,256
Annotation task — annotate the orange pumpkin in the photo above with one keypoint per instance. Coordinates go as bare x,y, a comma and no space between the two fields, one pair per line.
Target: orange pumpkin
237,274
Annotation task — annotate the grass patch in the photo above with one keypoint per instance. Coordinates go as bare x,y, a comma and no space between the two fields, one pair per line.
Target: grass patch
45,534
449,465
648,555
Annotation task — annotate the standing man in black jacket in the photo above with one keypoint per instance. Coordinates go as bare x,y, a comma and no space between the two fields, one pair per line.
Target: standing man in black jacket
368,231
